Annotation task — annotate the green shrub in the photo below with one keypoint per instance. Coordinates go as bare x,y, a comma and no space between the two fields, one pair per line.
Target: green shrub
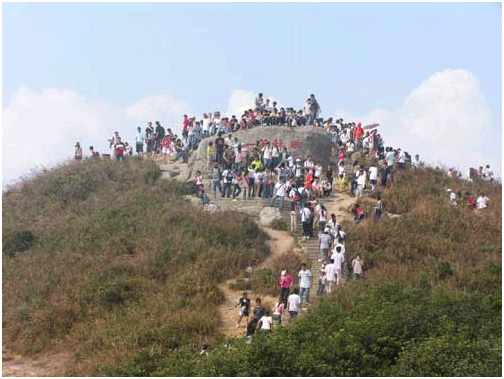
20,241
279,224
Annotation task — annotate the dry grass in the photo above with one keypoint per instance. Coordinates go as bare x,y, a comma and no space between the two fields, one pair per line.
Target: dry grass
119,263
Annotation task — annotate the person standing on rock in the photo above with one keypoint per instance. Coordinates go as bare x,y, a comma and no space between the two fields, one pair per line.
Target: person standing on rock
373,175
217,175
361,182
286,280
280,188
219,147
299,173
305,281
227,176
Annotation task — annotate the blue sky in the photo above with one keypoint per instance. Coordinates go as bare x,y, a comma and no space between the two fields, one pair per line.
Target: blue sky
123,61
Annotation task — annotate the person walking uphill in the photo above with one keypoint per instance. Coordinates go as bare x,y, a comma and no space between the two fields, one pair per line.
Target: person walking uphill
305,279
286,280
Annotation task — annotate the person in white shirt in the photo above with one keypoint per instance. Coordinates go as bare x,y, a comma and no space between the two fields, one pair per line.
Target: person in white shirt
361,182
416,161
453,197
265,323
206,126
308,163
401,159
339,261
330,275
325,241
267,155
482,201
373,176
332,224
280,187
267,106
305,279
357,267
488,174
293,303
278,312
339,243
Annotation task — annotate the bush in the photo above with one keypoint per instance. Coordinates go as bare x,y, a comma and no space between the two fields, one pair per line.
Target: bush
21,241
279,224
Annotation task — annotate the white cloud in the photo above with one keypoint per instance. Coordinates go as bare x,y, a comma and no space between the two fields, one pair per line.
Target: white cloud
167,110
242,100
446,120
40,129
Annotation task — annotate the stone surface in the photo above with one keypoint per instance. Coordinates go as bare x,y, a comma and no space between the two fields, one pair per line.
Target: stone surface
300,141
267,215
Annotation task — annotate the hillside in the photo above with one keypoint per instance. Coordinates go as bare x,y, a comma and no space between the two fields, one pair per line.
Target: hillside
107,260
119,263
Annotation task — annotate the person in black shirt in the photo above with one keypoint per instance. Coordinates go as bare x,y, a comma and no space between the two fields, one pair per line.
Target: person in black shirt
158,135
219,147
258,313
244,303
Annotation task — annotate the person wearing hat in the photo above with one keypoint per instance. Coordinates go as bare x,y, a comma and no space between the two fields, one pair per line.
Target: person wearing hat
286,280
325,241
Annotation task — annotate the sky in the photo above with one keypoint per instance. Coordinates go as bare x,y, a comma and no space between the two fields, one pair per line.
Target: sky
429,73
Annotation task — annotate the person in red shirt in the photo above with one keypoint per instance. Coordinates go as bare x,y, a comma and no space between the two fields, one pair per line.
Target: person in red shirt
341,156
358,134
309,180
470,201
286,280
185,130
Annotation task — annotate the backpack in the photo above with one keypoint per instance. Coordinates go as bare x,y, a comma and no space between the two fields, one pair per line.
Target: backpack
229,176
217,174
297,195
323,210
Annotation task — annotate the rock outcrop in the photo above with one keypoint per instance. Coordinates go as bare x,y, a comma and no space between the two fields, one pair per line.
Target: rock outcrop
301,141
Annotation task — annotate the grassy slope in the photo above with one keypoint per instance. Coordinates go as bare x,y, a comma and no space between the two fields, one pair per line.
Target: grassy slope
119,263
430,304
113,271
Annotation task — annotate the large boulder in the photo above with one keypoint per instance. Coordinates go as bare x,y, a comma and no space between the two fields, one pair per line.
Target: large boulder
300,141
267,215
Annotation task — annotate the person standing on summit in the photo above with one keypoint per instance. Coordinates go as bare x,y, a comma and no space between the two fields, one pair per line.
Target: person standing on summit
358,136
315,106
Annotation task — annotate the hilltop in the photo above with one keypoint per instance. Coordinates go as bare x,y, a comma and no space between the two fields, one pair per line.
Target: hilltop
107,260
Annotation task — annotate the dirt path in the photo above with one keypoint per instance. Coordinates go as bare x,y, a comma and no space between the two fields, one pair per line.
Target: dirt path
46,365
280,242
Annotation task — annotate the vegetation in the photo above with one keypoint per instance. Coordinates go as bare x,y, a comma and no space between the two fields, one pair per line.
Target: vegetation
117,263
107,260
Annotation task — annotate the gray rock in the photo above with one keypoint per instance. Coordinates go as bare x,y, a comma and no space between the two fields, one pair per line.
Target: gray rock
212,208
267,215
301,141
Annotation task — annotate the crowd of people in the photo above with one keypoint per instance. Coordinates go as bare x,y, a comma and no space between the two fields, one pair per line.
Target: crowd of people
269,170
